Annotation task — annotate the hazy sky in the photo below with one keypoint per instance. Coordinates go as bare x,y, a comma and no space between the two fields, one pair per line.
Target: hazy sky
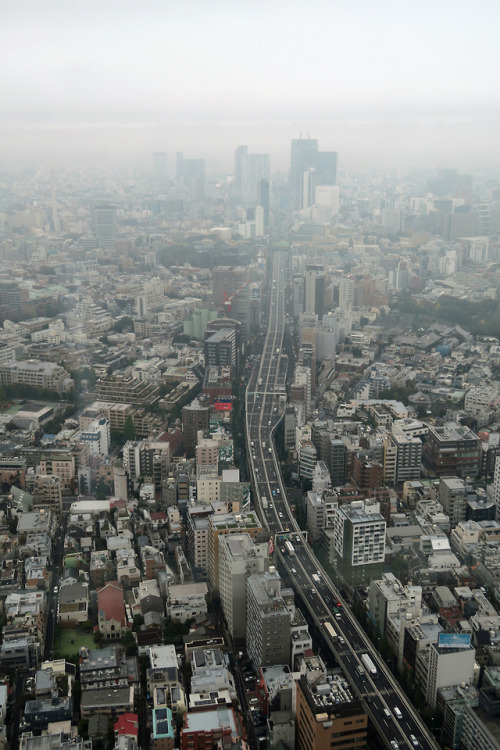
375,80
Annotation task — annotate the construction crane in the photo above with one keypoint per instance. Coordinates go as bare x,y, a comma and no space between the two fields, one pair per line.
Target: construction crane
228,299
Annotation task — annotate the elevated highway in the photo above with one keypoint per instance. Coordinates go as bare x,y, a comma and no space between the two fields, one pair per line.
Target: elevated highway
398,724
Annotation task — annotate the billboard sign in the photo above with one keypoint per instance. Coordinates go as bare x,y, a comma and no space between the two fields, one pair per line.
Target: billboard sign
454,640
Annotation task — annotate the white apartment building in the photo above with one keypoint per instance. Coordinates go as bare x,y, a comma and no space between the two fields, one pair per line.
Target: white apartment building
321,510
187,601
307,459
388,597
36,373
359,533
346,293
97,435
239,557
268,620
208,489
451,662
198,540
402,458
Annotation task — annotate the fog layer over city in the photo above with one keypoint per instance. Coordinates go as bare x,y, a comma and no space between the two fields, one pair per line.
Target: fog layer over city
382,83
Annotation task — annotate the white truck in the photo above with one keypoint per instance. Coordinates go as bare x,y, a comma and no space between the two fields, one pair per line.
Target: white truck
369,665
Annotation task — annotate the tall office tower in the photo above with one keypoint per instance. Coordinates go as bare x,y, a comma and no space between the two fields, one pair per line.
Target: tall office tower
259,221
346,293
301,389
250,171
447,180
496,486
55,218
463,187
298,291
160,171
315,282
302,157
190,174
264,199
239,557
240,156
326,167
326,205
309,183
105,221
309,168
268,620
195,416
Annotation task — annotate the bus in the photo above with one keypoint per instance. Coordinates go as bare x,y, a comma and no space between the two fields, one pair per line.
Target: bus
369,665
263,500
289,548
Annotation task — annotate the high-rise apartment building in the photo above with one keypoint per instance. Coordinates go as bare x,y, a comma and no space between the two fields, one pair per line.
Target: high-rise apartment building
195,416
239,558
451,662
359,533
268,620
453,497
227,524
220,348
402,458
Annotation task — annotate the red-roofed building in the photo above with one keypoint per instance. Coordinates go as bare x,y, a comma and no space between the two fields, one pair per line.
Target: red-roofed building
119,503
112,622
128,725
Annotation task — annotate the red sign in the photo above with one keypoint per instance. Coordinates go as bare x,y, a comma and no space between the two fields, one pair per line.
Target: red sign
223,405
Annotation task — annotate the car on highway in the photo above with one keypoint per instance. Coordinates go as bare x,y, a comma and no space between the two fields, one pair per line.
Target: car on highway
394,745
293,571
414,741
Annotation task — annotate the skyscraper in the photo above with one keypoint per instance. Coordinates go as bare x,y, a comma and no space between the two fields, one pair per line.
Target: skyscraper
315,281
251,170
160,168
302,157
310,165
105,221
190,174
